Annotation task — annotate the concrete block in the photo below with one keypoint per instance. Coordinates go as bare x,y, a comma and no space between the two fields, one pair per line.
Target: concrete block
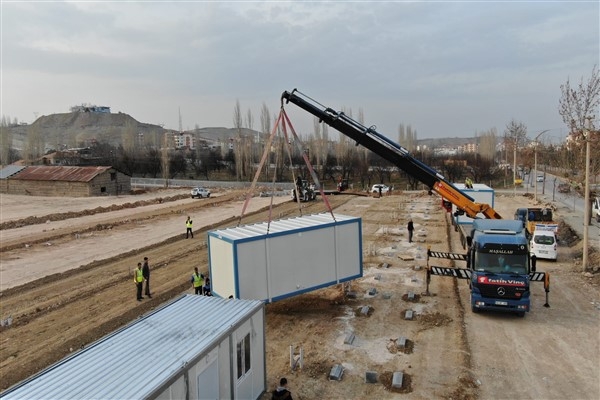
336,372
387,296
401,342
349,338
385,265
378,277
371,377
408,315
372,292
417,267
351,295
411,296
365,310
397,379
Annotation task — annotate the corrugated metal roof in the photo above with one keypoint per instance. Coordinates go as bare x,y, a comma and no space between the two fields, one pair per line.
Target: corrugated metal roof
286,226
59,173
138,359
10,170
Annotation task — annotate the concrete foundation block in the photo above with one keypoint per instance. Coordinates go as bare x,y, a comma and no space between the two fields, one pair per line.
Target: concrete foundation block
349,338
411,296
397,379
401,342
351,295
372,292
409,315
336,372
365,310
371,377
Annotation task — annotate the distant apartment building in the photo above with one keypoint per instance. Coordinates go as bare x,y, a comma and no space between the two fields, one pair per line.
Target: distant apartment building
468,148
90,108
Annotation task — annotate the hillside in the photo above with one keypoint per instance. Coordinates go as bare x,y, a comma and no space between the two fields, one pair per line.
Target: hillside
77,129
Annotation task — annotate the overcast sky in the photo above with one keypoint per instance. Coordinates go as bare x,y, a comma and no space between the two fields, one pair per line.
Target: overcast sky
448,69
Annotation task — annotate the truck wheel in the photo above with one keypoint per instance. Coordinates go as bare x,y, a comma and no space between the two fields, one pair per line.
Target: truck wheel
521,314
474,309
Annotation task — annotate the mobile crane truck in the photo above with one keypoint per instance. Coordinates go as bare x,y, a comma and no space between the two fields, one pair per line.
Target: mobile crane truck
499,265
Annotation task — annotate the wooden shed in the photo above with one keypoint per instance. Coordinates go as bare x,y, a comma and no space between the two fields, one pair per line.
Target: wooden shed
66,181
195,347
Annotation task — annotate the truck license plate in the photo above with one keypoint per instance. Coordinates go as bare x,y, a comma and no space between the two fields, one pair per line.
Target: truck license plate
501,303
543,252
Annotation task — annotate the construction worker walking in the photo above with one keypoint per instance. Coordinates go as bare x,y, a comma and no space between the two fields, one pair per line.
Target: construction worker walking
138,278
188,228
146,273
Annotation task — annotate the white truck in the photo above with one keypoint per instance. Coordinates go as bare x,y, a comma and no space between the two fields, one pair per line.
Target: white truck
596,208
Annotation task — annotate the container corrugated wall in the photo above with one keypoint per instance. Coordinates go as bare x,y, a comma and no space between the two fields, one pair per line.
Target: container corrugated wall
287,257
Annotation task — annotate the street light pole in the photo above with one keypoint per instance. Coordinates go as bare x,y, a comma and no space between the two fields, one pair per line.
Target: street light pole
535,158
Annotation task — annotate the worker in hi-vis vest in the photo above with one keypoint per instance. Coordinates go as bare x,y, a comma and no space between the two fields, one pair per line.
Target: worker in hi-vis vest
188,228
197,281
138,278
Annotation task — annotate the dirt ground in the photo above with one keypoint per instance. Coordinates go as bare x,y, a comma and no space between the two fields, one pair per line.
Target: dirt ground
65,282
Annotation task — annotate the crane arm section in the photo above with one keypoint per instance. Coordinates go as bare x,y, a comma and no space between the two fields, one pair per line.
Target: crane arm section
392,152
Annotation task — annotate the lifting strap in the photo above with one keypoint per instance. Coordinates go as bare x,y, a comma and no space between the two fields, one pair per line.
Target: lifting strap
284,121
299,147
257,174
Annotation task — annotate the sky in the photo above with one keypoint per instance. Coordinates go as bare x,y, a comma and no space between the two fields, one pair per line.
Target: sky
444,68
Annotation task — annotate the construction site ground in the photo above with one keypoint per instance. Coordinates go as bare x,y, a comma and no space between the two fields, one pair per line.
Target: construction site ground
65,281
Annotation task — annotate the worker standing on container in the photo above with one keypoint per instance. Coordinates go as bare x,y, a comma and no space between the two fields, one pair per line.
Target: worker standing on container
146,273
138,278
197,281
188,228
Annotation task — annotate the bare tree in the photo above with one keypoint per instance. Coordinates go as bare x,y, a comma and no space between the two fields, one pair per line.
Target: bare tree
238,147
487,144
34,144
579,107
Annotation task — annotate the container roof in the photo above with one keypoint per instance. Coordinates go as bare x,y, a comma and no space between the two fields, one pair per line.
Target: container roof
60,173
139,359
263,229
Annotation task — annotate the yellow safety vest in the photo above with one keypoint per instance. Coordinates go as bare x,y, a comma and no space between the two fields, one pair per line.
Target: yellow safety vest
198,282
188,223
138,275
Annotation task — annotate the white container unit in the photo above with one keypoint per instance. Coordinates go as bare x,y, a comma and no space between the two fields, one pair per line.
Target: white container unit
195,347
270,262
480,193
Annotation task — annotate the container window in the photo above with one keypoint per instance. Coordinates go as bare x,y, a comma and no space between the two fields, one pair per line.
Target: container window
243,356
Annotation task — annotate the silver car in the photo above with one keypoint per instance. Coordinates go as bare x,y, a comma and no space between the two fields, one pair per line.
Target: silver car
200,192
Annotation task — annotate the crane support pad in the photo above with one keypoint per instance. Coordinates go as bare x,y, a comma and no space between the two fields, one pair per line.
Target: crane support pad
450,256
537,276
459,273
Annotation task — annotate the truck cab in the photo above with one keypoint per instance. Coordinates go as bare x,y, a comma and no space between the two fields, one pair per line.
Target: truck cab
500,265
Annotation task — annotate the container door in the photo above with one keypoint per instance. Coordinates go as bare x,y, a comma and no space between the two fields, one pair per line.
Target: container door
208,382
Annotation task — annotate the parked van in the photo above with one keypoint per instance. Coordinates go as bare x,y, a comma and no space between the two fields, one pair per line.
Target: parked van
543,244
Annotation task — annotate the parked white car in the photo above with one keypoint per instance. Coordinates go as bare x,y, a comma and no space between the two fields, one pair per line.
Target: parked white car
543,244
384,188
540,178
200,192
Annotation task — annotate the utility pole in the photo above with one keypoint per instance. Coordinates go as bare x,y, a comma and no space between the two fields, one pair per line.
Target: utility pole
535,158
586,202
